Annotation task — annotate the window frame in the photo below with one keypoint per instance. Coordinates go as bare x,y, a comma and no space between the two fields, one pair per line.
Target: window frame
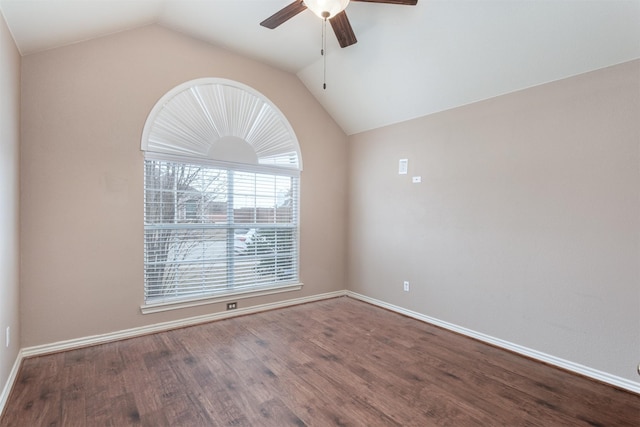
156,304
193,124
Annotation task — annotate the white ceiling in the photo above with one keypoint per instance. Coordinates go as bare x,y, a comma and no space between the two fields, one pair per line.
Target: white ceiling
409,60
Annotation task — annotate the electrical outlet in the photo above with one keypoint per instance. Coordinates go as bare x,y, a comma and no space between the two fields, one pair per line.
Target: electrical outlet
406,286
232,305
8,336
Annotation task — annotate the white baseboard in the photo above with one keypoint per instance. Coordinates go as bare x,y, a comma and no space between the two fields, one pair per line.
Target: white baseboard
165,326
9,384
534,354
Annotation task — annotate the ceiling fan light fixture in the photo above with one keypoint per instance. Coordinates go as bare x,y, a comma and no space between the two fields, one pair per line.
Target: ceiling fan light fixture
326,9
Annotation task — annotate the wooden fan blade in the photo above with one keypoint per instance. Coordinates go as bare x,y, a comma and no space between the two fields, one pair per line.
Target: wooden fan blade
342,28
284,14
401,2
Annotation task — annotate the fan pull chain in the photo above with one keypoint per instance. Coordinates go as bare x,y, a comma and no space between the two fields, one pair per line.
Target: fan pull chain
323,53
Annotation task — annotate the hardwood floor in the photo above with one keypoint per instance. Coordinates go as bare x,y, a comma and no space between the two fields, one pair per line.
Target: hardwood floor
338,362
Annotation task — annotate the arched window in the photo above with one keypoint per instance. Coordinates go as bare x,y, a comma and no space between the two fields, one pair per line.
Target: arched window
221,191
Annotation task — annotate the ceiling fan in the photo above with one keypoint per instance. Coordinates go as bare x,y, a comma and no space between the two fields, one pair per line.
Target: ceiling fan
332,10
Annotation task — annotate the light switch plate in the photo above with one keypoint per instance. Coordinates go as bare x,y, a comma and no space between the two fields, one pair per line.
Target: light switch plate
403,166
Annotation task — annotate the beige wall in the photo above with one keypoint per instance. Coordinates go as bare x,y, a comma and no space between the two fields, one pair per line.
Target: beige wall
9,199
526,225
83,110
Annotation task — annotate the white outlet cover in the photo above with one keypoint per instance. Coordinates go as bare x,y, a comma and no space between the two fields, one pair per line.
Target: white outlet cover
416,179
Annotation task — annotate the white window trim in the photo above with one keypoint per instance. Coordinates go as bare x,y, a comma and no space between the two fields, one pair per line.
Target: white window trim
225,296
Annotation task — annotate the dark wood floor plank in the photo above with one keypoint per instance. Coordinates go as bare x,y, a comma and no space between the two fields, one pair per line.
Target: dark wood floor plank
337,362
74,391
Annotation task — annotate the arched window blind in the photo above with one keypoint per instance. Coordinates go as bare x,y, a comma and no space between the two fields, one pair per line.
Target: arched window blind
221,192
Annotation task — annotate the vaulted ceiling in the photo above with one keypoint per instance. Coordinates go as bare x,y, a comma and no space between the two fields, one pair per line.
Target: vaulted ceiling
409,61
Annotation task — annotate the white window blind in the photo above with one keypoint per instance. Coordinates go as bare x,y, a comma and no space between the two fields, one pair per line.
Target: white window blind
210,230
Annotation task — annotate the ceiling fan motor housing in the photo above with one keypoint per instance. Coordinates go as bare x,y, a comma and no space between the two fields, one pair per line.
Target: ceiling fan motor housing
326,9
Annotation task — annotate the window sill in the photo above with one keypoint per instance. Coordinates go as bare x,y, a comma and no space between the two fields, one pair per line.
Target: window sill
218,298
